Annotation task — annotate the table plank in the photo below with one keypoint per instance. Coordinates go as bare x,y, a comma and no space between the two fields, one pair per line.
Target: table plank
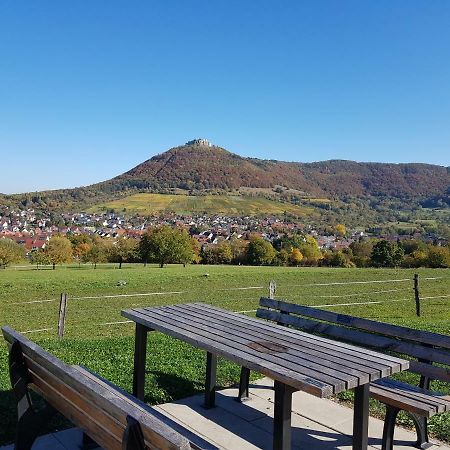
296,352
238,344
394,363
288,359
372,355
354,362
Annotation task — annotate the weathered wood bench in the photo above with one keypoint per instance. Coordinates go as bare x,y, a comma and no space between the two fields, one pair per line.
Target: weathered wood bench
424,348
109,416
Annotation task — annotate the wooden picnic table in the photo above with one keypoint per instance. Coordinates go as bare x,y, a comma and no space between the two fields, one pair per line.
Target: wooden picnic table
293,359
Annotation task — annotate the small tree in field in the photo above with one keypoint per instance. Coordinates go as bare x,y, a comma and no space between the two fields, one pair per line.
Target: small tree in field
10,252
295,257
340,229
59,251
95,255
123,251
39,258
80,251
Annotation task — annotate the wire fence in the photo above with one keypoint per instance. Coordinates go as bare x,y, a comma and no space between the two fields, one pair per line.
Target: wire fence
366,296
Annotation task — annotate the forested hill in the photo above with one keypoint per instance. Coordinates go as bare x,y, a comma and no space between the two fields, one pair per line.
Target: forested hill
199,168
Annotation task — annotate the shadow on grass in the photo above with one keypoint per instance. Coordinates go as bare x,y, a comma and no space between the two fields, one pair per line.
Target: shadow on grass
174,386
8,417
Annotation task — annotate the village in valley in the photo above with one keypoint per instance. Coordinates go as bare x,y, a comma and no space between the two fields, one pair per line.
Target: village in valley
33,230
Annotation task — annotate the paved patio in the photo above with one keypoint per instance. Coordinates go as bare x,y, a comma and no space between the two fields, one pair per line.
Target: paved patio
318,424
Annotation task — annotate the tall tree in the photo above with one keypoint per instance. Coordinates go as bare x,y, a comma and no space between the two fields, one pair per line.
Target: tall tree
386,254
310,250
124,250
10,252
96,254
39,258
166,245
295,257
80,251
59,250
260,252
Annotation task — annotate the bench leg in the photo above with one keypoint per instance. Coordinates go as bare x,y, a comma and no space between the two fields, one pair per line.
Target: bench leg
361,418
244,382
140,356
211,376
421,424
389,427
30,422
282,416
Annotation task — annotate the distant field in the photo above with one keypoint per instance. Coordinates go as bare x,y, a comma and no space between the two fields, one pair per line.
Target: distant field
94,339
237,205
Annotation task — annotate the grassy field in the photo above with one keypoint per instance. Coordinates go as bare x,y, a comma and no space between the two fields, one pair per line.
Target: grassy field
29,300
241,205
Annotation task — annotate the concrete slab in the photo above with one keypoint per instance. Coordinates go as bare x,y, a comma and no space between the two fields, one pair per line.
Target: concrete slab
62,440
317,423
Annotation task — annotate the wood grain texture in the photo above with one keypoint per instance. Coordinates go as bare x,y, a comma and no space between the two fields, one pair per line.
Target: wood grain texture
312,364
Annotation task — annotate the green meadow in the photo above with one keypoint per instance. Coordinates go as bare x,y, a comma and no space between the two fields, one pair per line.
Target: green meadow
232,205
97,337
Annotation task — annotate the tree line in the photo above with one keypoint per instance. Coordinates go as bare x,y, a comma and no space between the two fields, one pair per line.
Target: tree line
166,245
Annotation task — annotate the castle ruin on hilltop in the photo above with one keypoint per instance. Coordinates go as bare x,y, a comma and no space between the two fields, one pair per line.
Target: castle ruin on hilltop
204,142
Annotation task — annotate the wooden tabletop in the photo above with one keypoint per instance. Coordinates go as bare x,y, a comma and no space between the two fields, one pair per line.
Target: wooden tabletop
310,363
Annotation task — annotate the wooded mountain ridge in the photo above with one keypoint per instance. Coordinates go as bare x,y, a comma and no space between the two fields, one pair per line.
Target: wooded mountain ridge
199,168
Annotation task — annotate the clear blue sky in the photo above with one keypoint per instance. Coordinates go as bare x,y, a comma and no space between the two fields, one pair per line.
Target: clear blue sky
89,89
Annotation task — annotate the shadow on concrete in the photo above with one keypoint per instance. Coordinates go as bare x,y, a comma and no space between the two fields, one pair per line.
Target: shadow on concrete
256,427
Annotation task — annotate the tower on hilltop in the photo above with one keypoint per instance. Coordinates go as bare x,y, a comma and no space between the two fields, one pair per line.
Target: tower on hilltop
204,142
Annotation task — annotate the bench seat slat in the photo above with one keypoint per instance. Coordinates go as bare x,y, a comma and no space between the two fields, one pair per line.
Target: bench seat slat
441,401
77,414
57,388
405,396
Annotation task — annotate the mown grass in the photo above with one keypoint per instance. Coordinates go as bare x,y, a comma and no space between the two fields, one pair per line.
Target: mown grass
241,205
175,369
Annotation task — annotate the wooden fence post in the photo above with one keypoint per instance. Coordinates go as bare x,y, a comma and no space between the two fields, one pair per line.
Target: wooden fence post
416,293
62,315
272,289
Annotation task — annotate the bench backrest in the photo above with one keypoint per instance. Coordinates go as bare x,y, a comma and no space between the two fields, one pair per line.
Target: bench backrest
425,347
101,410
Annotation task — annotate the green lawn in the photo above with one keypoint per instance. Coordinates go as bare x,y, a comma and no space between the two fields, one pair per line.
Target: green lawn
175,369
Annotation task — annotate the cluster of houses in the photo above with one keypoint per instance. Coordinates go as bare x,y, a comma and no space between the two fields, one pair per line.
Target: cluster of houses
34,231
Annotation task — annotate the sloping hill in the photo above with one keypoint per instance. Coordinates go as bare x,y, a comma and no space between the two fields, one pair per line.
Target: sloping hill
198,168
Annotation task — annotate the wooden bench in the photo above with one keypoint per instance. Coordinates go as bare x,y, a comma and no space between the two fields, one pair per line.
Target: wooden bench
109,416
424,348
